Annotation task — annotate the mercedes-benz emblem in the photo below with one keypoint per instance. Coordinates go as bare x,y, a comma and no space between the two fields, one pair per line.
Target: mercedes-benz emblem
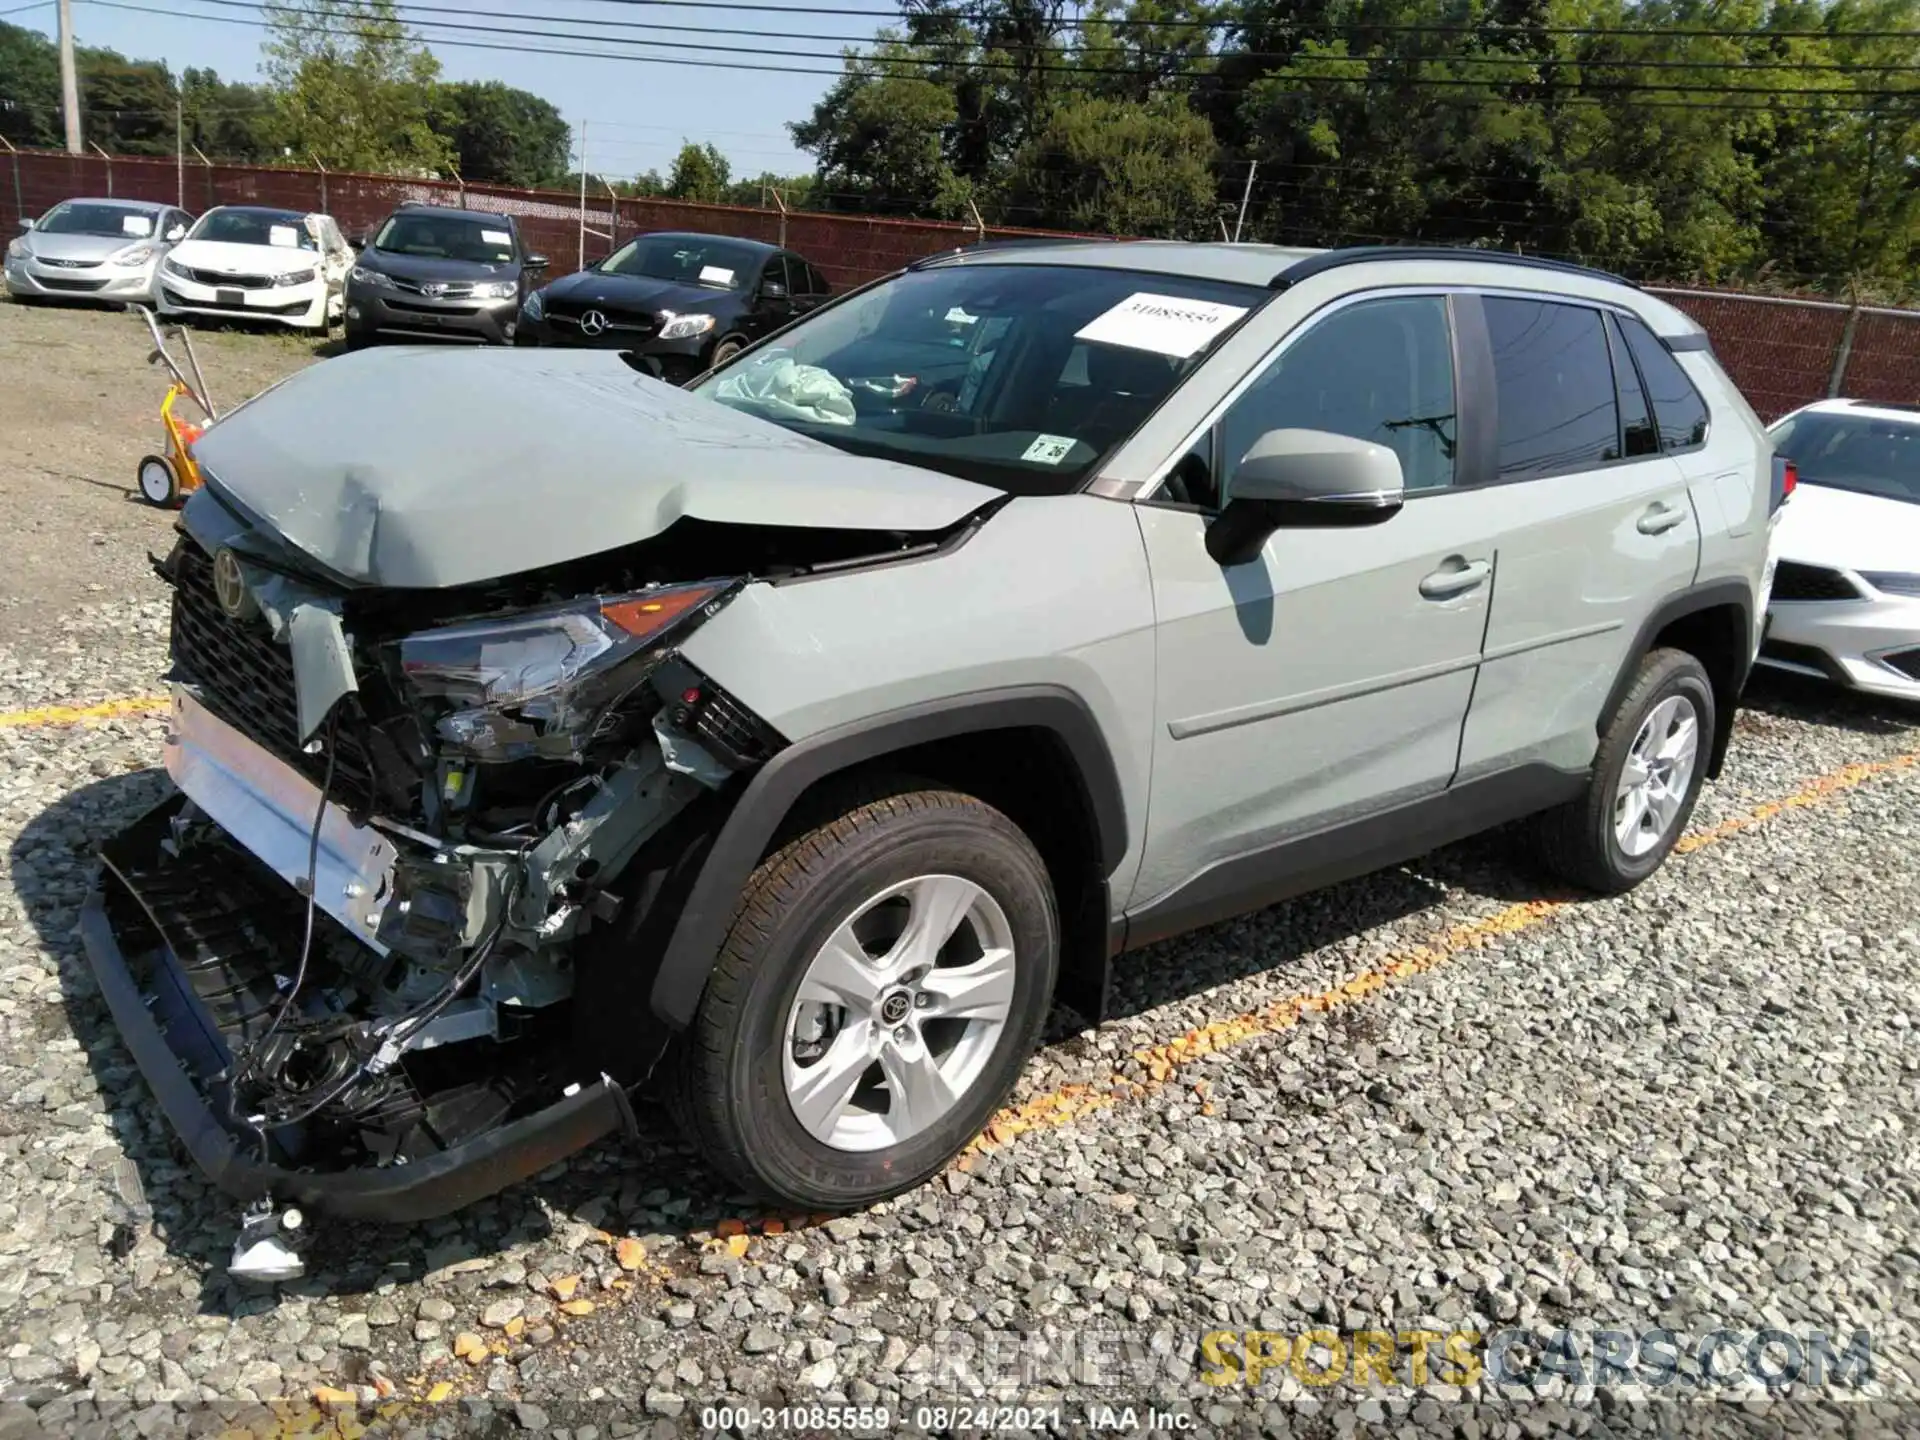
230,587
593,323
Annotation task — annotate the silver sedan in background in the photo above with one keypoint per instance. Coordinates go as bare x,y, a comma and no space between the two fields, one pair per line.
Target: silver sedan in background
94,250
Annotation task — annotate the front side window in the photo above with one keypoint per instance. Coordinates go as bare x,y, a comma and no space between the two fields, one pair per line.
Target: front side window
1554,381
689,260
1381,370
278,228
1677,407
446,237
1018,376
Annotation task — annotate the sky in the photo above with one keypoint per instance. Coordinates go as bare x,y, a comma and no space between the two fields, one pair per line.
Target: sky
636,114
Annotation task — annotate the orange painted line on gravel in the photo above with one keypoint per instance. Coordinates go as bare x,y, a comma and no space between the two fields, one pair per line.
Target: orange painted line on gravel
138,705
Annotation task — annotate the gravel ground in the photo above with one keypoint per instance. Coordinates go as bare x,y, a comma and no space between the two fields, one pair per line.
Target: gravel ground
1440,1098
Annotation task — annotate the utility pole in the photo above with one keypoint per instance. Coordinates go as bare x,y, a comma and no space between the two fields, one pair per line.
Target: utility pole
69,80
179,151
581,263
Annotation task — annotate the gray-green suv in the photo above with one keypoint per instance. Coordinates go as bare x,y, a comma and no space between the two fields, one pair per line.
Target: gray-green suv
796,739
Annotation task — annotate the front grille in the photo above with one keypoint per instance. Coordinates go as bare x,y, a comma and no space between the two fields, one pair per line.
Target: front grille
1907,662
410,308
72,264
626,324
62,282
247,680
229,282
1794,581
452,289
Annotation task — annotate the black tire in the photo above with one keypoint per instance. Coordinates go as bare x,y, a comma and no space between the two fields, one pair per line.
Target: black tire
725,351
357,338
157,481
1577,841
726,1086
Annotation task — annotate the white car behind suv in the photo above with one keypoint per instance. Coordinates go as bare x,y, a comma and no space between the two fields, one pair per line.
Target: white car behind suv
1846,593
254,263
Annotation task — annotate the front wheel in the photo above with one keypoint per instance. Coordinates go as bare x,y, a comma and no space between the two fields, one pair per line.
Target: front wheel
1646,777
725,351
887,973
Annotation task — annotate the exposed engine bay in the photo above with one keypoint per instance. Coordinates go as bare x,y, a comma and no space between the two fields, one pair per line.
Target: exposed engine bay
513,772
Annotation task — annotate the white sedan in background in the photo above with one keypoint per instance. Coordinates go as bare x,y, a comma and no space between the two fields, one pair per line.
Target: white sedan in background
1846,593
250,262
93,250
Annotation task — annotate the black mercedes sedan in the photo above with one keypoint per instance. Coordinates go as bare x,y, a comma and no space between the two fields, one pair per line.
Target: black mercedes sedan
688,302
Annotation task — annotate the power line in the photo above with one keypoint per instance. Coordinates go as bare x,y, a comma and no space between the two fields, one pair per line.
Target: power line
406,7
1073,72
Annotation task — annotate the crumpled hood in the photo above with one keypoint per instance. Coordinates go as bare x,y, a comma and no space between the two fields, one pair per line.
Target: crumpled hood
415,467
1850,531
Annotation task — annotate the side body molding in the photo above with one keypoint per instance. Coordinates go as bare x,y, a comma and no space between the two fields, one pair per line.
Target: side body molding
773,790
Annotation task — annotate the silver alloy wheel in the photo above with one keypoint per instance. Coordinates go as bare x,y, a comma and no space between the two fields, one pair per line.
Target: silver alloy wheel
1654,781
899,1012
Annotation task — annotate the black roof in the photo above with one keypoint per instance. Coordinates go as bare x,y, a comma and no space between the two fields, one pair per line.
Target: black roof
760,246
451,212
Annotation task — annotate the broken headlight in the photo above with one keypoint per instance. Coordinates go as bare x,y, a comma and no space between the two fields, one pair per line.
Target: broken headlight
538,682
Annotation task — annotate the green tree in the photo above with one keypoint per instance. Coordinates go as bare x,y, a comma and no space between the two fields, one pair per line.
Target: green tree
354,88
699,172
224,119
504,135
1118,167
795,190
29,87
126,106
879,138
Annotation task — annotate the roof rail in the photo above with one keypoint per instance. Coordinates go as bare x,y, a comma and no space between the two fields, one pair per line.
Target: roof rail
1006,242
1362,254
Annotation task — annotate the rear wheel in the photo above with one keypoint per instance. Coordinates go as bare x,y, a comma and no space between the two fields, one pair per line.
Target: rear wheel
725,351
887,973
1646,777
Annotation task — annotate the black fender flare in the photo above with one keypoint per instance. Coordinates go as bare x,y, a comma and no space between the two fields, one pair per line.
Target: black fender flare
1712,594
770,795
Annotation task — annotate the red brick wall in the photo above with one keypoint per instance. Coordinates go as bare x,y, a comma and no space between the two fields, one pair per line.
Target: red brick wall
1780,352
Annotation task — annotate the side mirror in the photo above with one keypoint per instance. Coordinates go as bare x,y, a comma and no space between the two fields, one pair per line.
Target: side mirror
773,290
26,223
358,242
175,235
1304,478
537,262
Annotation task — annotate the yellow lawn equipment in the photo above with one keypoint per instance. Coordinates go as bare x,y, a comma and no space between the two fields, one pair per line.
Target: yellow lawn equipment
166,479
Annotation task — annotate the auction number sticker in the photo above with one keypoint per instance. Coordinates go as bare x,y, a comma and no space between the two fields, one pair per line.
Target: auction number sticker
495,237
1049,449
1163,324
715,275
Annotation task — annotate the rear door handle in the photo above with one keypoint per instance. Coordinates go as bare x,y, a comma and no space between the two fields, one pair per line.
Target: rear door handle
1658,518
1456,577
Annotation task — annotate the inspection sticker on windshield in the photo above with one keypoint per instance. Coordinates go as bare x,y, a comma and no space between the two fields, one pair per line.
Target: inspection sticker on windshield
495,237
136,224
1049,449
1164,324
715,275
283,235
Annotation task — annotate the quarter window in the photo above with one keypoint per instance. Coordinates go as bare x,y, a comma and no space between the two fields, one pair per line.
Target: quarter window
1557,410
1677,407
1637,435
1381,370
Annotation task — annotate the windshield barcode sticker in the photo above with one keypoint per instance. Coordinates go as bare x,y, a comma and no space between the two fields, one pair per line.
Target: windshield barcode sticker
715,275
1049,449
283,235
1163,324
136,224
495,237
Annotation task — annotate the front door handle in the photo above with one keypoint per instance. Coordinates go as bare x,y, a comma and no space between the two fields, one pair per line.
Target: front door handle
1456,577
1658,518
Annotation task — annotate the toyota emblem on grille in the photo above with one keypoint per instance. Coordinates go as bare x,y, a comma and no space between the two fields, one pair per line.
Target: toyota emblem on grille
593,323
433,288
230,587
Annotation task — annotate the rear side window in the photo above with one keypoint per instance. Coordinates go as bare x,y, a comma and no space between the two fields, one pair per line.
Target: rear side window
1677,407
1637,435
1554,379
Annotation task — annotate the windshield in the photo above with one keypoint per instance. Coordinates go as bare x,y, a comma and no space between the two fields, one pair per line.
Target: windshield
1018,376
282,229
446,237
687,259
83,217
1869,454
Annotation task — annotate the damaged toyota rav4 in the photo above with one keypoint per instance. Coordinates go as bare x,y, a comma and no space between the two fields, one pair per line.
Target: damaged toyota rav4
794,741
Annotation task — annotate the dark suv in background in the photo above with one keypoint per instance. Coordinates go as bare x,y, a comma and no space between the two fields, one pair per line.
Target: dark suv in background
687,302
431,271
